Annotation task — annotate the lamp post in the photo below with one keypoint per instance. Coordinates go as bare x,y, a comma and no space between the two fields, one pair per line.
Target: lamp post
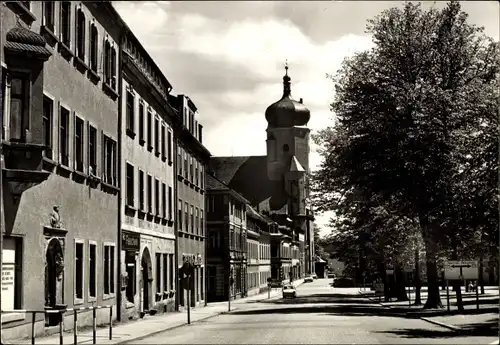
230,285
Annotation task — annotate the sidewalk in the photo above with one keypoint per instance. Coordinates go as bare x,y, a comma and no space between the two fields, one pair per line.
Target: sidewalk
471,321
129,332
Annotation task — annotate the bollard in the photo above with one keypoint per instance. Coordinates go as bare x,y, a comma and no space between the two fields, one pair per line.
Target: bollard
33,316
75,331
61,328
94,326
110,322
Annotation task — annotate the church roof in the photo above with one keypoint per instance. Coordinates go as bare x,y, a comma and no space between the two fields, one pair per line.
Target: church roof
247,175
213,184
287,112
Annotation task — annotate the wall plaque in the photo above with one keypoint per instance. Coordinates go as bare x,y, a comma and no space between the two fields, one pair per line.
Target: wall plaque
130,241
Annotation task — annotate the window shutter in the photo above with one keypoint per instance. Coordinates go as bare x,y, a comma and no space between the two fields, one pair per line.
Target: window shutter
74,141
86,143
113,67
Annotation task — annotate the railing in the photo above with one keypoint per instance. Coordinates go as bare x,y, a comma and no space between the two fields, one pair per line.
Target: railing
61,322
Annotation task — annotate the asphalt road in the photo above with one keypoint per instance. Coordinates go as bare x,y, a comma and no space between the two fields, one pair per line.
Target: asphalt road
319,315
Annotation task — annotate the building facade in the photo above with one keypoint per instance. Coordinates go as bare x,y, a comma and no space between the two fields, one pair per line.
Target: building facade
258,251
60,185
189,201
148,267
227,246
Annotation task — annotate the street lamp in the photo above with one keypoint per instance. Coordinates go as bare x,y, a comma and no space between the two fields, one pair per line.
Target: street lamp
231,282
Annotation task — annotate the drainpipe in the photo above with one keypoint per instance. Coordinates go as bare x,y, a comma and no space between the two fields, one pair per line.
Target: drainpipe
1,204
119,176
175,186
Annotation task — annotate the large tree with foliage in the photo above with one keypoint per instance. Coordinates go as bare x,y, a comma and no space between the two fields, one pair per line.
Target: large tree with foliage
406,111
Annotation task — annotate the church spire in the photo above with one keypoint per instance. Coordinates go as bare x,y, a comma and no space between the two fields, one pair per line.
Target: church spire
286,81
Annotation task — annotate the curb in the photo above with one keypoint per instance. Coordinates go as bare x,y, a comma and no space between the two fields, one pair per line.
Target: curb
496,342
128,341
437,323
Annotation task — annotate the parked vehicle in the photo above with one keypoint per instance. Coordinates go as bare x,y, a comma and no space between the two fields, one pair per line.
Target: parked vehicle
289,291
343,282
308,279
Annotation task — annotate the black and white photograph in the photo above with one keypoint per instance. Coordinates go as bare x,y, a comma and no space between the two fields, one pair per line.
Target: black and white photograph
250,172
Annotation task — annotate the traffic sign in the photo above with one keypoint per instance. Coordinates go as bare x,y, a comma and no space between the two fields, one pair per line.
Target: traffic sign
461,270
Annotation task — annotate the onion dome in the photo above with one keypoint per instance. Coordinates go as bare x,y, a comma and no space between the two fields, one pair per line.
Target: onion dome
287,112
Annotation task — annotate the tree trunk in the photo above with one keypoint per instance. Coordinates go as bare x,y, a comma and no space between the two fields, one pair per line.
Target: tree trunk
443,282
431,253
418,282
400,284
481,277
458,283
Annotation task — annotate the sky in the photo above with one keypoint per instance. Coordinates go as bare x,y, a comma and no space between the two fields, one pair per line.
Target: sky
229,58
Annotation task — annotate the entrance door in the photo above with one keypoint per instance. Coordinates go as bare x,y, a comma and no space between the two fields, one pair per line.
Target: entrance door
54,272
147,278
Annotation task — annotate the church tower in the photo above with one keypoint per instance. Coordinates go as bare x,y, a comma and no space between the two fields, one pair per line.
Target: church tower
288,146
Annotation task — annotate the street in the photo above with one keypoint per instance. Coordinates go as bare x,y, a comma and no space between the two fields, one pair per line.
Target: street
320,314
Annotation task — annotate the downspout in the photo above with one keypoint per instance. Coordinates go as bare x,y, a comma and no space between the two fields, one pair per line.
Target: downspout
176,212
205,276
119,163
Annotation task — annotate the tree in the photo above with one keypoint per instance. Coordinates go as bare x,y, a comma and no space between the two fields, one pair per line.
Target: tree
404,110
318,244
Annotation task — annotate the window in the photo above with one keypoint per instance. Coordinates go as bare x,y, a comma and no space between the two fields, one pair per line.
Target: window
79,270
213,239
171,271
169,148
179,216
195,129
196,175
63,136
92,269
164,200
201,177
200,128
186,218
109,269
170,200
157,197
79,144
179,158
130,185
109,173
166,268
66,23
191,175
12,272
141,190
150,194
158,275
191,219
80,34
202,223
163,144
94,41
92,150
141,123
130,112
109,64
150,130
48,106
197,221
186,171
202,287
19,106
48,15
157,136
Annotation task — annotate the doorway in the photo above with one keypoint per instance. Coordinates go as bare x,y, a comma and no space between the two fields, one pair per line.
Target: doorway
54,274
147,278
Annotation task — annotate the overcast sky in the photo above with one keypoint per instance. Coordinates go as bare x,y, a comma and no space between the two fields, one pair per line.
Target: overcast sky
229,57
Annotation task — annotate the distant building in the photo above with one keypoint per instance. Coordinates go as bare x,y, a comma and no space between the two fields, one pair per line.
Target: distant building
228,250
277,185
60,91
192,159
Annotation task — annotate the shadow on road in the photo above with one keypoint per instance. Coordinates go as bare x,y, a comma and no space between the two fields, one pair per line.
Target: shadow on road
324,298
487,329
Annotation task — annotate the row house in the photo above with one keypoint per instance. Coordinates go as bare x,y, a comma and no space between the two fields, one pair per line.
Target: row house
228,248
147,184
60,95
189,201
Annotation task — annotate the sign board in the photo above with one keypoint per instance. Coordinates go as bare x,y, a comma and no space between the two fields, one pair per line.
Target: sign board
468,269
8,277
389,271
131,241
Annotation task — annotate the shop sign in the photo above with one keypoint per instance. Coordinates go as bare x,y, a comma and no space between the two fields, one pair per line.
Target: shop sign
131,241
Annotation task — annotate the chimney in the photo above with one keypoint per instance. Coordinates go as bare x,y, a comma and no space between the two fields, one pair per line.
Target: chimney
300,101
